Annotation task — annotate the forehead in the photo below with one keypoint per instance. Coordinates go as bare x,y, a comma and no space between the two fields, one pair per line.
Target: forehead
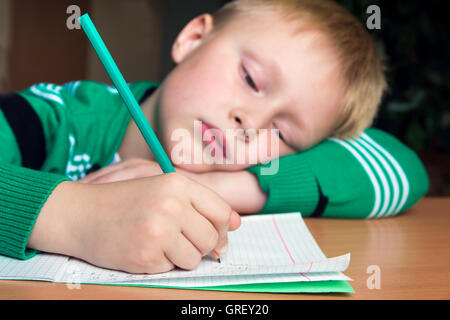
296,47
285,41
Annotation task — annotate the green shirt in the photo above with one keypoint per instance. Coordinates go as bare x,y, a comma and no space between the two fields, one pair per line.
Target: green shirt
51,133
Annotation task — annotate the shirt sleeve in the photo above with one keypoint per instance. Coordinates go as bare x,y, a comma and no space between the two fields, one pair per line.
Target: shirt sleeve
23,189
23,192
372,176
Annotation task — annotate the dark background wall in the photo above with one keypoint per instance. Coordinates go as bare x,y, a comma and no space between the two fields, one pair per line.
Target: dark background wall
413,38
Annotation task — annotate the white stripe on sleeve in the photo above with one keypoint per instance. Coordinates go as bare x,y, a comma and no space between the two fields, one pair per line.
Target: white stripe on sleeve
396,166
46,95
381,175
393,178
369,172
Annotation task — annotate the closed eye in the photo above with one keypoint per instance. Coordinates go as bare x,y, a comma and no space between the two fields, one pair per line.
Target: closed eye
249,80
280,136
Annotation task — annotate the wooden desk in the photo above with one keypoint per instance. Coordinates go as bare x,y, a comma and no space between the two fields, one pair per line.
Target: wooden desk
412,251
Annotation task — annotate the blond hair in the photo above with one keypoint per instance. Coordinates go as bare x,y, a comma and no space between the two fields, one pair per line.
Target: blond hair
358,56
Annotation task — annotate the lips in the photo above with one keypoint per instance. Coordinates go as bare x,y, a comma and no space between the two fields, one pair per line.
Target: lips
215,138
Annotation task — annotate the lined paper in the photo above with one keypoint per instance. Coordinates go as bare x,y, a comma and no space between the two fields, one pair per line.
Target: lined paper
41,267
266,248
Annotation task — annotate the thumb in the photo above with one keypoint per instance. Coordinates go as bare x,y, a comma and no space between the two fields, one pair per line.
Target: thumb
235,221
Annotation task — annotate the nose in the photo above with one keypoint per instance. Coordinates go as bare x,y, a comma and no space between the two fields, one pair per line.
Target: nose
240,119
246,121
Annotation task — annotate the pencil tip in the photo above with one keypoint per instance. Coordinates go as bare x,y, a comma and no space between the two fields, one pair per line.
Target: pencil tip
218,260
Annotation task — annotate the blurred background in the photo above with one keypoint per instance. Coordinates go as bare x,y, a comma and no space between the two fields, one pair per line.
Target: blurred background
36,46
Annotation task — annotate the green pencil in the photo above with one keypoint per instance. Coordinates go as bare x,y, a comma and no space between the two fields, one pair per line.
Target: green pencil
125,92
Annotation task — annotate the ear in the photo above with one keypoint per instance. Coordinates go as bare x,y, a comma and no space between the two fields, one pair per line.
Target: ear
192,35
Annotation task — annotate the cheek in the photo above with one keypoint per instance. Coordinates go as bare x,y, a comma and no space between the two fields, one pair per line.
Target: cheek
204,82
264,147
197,96
198,76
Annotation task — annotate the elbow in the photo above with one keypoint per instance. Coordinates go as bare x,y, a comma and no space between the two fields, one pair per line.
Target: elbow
418,181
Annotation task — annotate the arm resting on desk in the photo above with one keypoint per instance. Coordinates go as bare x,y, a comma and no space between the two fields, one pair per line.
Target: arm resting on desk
372,176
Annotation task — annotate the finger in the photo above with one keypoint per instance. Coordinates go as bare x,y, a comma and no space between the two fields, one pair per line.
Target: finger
235,221
117,175
209,203
214,208
130,163
106,170
182,253
163,265
199,231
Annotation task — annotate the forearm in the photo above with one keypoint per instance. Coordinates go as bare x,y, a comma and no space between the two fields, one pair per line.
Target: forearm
57,228
239,188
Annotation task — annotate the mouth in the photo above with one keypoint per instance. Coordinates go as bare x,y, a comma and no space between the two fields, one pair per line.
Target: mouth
215,139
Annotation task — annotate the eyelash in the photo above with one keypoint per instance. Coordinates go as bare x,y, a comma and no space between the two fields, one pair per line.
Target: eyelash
281,136
249,80
251,83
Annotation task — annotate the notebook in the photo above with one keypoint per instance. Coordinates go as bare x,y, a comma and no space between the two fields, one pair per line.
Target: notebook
268,253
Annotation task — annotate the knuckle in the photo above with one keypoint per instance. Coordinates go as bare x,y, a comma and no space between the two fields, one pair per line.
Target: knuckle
176,181
146,258
156,232
169,205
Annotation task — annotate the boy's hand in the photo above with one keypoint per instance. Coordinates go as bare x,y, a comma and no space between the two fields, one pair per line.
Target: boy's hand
146,225
124,170
239,188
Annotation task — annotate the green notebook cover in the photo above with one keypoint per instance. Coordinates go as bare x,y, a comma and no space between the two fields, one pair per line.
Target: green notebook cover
276,287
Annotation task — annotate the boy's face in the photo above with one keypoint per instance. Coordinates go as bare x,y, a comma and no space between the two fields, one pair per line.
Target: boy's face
253,73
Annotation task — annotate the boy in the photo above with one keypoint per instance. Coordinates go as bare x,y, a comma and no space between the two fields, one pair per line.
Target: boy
314,73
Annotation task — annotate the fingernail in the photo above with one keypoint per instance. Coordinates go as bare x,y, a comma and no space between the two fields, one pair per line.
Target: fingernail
223,249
